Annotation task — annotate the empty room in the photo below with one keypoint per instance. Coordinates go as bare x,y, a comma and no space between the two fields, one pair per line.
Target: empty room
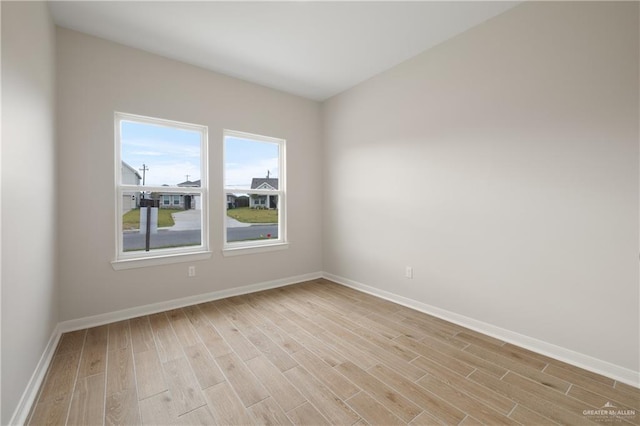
320,213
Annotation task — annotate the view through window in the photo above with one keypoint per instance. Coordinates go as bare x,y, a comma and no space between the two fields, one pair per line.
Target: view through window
254,188
162,186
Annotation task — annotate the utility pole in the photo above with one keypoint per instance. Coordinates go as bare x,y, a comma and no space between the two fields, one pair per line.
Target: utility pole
144,172
144,175
187,178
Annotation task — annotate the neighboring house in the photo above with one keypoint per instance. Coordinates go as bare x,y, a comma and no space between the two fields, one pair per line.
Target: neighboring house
175,200
264,201
130,176
231,201
242,201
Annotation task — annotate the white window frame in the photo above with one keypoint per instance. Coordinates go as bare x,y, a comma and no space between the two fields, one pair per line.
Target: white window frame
137,259
256,246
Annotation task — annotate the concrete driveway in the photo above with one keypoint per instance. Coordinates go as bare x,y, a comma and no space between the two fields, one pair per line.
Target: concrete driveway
190,219
186,220
232,223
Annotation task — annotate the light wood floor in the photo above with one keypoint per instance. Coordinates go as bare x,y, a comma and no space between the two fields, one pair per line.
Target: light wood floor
314,353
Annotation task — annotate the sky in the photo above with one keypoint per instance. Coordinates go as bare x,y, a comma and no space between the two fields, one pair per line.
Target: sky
171,154
246,159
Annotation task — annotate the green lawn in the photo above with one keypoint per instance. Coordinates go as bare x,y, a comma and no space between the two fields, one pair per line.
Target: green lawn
131,219
247,215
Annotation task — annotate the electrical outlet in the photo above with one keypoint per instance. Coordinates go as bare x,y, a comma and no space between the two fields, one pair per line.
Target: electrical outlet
408,272
192,271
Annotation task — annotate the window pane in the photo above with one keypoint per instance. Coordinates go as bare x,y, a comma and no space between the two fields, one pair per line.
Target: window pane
154,155
170,225
251,222
251,164
157,159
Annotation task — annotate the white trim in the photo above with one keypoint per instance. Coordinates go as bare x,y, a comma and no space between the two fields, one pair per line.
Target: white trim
30,394
124,314
165,190
253,191
252,136
143,262
37,378
266,186
253,248
616,372
120,188
229,247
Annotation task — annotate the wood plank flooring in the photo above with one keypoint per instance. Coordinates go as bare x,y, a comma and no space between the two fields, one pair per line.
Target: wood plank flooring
314,353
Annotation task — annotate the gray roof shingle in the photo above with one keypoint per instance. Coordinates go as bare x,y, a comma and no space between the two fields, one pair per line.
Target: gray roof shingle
188,183
257,182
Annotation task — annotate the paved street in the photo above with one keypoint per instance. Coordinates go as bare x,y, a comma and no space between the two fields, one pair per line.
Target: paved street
162,239
186,231
252,232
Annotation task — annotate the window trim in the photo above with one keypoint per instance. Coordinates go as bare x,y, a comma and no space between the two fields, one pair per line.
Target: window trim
256,246
137,259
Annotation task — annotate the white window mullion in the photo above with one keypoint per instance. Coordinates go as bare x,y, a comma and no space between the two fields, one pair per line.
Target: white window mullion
146,145
254,152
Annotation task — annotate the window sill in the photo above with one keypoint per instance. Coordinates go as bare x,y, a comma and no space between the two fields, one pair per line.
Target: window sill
159,260
238,251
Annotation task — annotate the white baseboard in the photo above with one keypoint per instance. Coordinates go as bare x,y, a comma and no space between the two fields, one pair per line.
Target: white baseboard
569,356
96,320
580,360
31,392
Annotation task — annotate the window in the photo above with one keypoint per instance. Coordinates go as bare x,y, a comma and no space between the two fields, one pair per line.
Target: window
254,191
161,186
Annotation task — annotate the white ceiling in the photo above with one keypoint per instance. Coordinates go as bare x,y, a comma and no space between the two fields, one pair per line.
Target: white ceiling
311,49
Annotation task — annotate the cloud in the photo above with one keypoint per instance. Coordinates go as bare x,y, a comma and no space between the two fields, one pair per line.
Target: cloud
167,162
146,153
159,147
172,173
240,175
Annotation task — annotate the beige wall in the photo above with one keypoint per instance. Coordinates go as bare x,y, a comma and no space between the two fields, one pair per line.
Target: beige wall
503,166
96,78
29,292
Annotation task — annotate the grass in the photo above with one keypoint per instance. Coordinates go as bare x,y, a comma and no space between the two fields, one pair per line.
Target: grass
247,215
131,219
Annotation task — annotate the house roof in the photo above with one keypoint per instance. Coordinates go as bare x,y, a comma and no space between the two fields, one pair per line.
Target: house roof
195,183
258,182
132,169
